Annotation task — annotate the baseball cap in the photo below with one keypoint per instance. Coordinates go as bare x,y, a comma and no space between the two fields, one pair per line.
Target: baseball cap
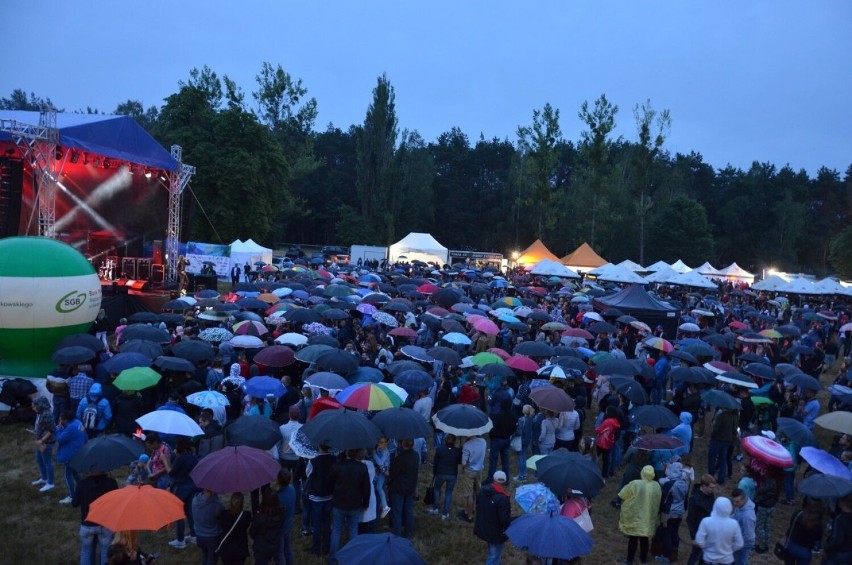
768,433
499,477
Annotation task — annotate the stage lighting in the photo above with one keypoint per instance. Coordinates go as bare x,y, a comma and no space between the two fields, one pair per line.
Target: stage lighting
75,156
58,154
107,164
147,173
97,162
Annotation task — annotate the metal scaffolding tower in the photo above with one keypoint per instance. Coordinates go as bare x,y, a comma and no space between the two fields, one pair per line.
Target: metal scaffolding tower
38,146
178,179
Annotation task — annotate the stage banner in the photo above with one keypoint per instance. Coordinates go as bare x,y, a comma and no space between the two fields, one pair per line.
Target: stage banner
203,257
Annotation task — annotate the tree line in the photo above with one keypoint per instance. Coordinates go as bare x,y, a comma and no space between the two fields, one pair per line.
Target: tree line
264,169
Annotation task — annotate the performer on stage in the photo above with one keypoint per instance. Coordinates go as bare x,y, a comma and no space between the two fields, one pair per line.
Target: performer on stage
183,280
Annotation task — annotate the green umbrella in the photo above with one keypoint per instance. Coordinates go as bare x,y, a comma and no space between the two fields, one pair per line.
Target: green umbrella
137,378
485,358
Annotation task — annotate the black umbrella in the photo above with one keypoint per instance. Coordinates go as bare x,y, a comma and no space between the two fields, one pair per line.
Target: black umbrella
702,351
565,470
654,416
310,353
752,358
72,355
603,328
720,399
81,340
688,375
804,381
496,369
571,363
760,370
193,350
446,297
462,420
335,314
342,429
397,367
800,350
789,331
612,313
565,351
150,349
797,432
127,360
105,453
683,356
247,315
143,318
626,319
449,326
397,306
225,307
337,361
168,363
250,303
615,367
253,431
171,318
146,332
322,339
825,486
539,316
246,287
785,369
633,392
176,304
445,355
402,423
643,369
533,349
302,316
416,353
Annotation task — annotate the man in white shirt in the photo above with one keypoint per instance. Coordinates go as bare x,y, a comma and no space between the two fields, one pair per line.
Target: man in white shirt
423,405
286,456
473,461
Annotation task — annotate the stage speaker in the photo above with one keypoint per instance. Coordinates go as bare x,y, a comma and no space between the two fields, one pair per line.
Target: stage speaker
158,274
128,267
140,285
11,188
158,252
143,269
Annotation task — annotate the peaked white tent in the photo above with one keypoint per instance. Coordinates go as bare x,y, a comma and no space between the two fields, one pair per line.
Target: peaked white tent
662,275
770,283
831,286
708,270
801,285
656,267
250,252
548,268
680,267
631,266
418,247
692,279
619,274
734,271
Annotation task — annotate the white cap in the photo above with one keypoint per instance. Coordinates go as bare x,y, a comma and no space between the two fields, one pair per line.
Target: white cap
499,477
768,433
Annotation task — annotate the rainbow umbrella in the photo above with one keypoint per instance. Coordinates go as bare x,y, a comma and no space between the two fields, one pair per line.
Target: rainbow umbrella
368,396
659,344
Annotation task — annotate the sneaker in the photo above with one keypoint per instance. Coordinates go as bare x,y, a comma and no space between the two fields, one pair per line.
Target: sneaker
47,487
432,510
445,516
739,457
385,511
177,544
66,500
189,539
38,482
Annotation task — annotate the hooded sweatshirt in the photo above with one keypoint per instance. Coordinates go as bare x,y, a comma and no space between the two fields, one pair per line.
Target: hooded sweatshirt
683,432
719,535
96,398
641,505
747,520
678,490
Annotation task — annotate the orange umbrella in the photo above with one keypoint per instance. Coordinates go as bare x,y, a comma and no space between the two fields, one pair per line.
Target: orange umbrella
136,508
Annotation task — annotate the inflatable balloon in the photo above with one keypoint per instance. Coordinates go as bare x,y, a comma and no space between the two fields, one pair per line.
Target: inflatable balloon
48,291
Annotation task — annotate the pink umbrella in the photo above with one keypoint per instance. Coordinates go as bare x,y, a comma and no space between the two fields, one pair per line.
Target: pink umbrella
486,326
767,450
503,354
522,363
403,332
577,332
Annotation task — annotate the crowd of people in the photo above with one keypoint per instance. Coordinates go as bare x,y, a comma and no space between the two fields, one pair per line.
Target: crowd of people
333,497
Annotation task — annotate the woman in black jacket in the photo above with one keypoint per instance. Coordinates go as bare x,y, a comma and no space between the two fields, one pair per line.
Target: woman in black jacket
445,471
266,528
233,548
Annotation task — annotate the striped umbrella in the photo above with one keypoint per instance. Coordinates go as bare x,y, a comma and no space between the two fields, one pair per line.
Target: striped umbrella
368,396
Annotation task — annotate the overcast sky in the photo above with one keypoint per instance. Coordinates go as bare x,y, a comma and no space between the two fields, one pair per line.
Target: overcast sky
765,80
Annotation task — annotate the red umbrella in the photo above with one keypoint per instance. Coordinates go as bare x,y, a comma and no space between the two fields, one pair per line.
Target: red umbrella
275,356
403,332
577,332
522,363
427,288
767,450
737,325
537,290
486,326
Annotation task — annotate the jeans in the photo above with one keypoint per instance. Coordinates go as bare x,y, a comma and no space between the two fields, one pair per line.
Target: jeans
381,496
450,482
402,512
522,462
495,552
341,519
741,555
72,477
89,536
789,487
604,456
801,555
45,462
321,523
671,541
187,509
285,546
498,447
717,460
658,393
294,465
763,527
60,405
208,549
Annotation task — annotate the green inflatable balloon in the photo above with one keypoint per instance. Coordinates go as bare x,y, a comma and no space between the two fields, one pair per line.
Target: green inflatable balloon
48,291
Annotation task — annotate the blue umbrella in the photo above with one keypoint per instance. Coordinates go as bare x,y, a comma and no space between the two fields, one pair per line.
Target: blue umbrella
128,360
379,549
366,375
413,381
536,498
260,387
825,463
549,536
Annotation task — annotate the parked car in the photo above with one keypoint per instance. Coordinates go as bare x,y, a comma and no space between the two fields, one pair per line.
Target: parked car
334,254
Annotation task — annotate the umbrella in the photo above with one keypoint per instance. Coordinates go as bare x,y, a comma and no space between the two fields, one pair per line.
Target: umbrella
689,327
552,398
366,374
144,317
486,326
615,367
462,420
337,361
658,343
417,353
302,316
253,431
105,453
402,423
327,381
137,378
736,378
568,362
687,375
208,399
149,349
565,470
235,469
824,462
368,396
311,353
215,335
246,341
634,392
550,535
250,327
484,358
81,340
798,433
404,333
292,339
396,367
456,338
522,363
767,450
121,361
553,372
445,355
413,381
170,422
496,369
342,429
577,332
654,416
193,350
720,399
603,328
136,508
263,386
536,498
72,355
837,421
168,363
275,356
804,381
760,370
652,442
146,332
533,349
825,486
176,304
379,549
385,319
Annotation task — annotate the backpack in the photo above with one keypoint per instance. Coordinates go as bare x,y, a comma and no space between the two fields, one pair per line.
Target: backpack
667,497
89,418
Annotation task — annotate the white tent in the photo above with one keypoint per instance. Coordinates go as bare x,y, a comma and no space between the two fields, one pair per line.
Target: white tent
656,267
680,267
801,285
418,247
692,279
548,268
708,270
734,271
619,274
770,283
248,251
631,266
662,275
831,286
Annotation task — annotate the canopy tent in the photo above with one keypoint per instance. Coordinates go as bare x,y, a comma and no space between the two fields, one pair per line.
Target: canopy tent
771,283
658,266
680,267
708,270
735,272
662,275
535,253
418,247
583,258
831,286
631,266
636,302
548,268
801,285
617,273
116,137
692,279
248,251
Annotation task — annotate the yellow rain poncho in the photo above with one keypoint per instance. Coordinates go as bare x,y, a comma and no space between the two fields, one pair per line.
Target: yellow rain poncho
641,505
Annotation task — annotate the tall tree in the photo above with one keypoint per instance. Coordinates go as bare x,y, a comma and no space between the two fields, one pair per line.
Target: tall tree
840,254
135,109
679,229
537,145
375,142
600,121
19,100
652,129
414,172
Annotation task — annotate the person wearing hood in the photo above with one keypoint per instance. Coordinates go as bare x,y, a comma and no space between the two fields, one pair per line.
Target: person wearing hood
676,487
70,437
94,411
639,510
744,514
493,516
719,535
45,433
683,432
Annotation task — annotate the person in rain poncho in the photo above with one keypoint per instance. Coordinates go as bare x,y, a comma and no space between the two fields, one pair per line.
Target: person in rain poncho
719,535
639,510
683,432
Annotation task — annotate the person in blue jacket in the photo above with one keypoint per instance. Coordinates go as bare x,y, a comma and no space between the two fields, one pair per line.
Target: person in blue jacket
70,437
102,411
